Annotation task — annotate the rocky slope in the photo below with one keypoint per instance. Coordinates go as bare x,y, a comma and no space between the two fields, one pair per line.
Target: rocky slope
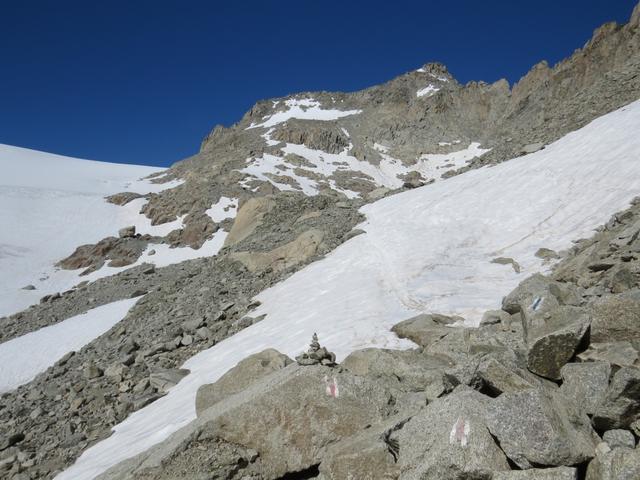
546,388
299,168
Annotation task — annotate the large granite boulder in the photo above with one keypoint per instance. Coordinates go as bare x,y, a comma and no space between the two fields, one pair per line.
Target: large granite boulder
586,383
449,440
621,404
615,318
617,464
425,329
553,344
300,415
541,428
410,369
238,378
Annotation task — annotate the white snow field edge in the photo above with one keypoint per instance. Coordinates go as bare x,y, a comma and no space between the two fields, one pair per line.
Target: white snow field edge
426,250
50,204
22,358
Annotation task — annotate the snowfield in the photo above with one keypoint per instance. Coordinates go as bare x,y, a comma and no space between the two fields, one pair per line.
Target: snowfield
50,204
304,109
426,250
389,173
22,358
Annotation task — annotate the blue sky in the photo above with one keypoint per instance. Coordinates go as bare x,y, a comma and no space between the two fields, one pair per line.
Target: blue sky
144,81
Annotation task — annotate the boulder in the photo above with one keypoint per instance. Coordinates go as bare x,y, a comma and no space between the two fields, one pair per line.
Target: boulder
249,217
495,378
424,329
538,427
166,379
618,464
494,317
622,354
553,344
91,370
127,232
305,246
533,292
586,383
412,369
371,454
507,261
297,414
246,372
531,148
615,318
560,473
621,404
622,280
619,438
449,440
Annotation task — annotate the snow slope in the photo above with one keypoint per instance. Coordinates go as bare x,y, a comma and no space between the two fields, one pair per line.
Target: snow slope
22,358
50,204
428,249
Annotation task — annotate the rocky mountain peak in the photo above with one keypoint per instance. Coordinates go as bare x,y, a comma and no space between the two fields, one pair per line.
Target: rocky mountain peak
437,70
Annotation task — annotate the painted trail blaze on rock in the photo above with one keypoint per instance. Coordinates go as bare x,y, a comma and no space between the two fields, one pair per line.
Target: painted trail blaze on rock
331,387
460,432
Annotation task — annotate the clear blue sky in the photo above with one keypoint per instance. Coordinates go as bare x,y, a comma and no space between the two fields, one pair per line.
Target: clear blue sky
143,81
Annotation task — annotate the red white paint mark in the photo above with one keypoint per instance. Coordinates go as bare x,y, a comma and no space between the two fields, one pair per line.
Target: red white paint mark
460,432
331,387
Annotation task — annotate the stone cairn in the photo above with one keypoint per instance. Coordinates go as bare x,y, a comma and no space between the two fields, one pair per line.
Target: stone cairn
316,354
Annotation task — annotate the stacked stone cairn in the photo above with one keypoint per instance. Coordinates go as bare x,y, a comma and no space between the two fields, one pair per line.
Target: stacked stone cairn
316,354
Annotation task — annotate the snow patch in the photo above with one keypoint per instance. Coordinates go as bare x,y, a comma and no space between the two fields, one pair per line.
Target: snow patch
427,91
304,109
224,208
22,358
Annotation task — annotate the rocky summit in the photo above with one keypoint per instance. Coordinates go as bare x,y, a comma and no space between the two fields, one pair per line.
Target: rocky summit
167,348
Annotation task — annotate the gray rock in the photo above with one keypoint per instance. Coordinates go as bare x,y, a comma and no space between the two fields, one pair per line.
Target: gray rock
560,473
619,438
116,370
618,464
192,325
495,377
238,378
552,345
127,232
9,439
531,148
424,329
91,371
586,383
534,293
449,440
615,318
622,354
621,405
167,379
540,428
304,411
547,254
371,454
507,261
622,280
412,369
493,317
